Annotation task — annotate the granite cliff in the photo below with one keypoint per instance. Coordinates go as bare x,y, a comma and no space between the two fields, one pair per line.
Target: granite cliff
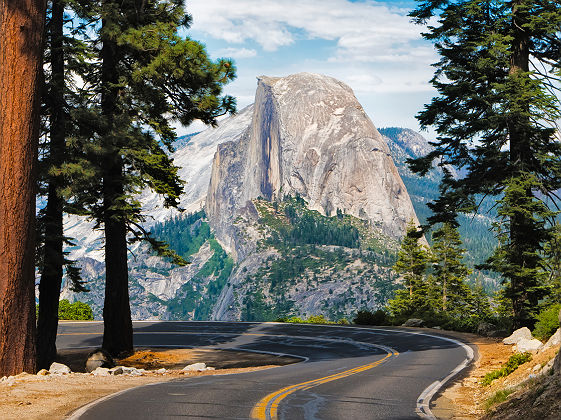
308,137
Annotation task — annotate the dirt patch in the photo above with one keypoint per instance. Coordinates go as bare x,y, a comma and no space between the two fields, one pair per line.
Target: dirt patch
465,398
28,396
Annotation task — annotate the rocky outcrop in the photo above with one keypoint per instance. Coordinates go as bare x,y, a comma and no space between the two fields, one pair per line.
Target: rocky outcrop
310,137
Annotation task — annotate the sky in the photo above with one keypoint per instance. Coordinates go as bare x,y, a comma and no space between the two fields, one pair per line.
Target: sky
370,45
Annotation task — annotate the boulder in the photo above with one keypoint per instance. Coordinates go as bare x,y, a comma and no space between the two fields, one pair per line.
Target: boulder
520,334
99,358
413,322
161,371
525,345
59,369
43,372
554,340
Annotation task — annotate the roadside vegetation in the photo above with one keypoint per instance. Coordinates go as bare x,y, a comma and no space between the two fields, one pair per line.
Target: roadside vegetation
510,366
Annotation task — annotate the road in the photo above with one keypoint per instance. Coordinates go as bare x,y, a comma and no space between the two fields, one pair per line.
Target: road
345,373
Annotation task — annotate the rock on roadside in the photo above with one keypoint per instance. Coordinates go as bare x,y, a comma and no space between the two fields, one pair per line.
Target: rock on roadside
413,322
528,345
99,358
520,334
197,367
59,369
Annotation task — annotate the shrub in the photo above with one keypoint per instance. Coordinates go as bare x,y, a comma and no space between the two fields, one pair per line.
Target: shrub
510,366
365,317
548,322
74,311
497,398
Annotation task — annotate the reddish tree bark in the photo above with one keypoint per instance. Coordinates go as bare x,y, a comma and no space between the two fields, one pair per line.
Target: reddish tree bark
21,42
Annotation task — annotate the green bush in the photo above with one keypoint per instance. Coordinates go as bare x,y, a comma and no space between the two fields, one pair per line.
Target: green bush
365,317
74,311
548,322
497,398
510,366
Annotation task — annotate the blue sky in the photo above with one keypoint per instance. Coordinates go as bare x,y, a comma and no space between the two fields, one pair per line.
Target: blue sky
370,45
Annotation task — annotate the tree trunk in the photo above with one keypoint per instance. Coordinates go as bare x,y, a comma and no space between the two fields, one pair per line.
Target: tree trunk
519,153
21,42
53,258
117,333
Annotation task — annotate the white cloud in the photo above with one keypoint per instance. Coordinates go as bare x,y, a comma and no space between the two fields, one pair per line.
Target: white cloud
236,52
362,31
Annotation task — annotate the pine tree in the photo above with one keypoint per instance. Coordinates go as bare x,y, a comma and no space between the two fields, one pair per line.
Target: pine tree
61,50
495,118
21,41
450,272
412,262
144,77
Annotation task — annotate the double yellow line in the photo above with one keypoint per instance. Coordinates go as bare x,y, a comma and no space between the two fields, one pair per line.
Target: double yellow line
267,408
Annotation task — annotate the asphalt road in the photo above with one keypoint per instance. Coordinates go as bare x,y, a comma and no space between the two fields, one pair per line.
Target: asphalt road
346,373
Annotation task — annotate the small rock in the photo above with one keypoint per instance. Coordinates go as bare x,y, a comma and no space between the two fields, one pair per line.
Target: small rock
536,368
161,371
133,371
195,367
3,378
520,334
101,371
59,369
117,370
525,345
413,322
43,372
436,327
99,358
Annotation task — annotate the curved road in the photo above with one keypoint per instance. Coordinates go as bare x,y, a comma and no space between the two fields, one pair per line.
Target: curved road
346,372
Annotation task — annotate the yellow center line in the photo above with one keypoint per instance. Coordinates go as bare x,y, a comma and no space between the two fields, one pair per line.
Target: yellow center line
267,407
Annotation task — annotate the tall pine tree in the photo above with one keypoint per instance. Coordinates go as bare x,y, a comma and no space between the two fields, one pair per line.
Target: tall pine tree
450,273
144,77
412,263
495,117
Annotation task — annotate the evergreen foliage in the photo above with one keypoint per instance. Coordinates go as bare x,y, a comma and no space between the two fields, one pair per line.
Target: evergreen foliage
412,262
450,272
495,118
74,311
547,322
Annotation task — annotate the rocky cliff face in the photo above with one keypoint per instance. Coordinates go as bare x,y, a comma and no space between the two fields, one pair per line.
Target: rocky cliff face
308,137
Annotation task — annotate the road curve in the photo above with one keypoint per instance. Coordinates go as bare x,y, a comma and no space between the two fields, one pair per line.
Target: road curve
346,372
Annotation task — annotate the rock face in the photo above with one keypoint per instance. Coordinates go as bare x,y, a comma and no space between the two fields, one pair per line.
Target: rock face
308,137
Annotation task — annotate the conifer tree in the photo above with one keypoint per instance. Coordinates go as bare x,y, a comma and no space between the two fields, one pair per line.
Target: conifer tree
412,263
21,42
495,117
60,51
144,77
449,270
